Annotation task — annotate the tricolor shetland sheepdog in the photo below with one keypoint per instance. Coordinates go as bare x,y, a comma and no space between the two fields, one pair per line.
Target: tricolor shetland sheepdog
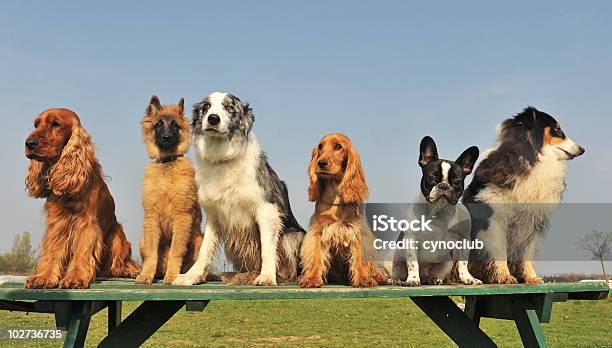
517,186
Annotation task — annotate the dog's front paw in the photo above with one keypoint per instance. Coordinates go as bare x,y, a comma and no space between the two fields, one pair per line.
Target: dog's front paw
534,280
146,279
265,280
169,278
130,270
311,282
394,281
433,281
378,276
41,282
187,279
413,279
504,279
74,282
364,282
471,281
411,282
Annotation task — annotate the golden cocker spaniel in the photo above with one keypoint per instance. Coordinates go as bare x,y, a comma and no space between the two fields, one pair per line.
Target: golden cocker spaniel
338,245
83,236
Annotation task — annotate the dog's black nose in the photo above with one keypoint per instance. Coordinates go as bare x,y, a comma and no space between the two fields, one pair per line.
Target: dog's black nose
444,187
580,150
214,119
322,164
31,143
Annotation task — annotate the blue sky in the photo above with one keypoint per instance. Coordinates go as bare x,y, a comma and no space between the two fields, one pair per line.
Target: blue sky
386,75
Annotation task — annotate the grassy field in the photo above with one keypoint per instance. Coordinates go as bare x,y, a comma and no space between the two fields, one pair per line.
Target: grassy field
335,323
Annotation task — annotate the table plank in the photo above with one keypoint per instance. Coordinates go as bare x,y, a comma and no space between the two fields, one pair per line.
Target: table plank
116,290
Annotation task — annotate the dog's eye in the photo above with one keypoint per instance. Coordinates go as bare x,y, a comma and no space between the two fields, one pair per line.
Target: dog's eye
559,132
174,124
338,146
320,146
158,125
431,179
55,125
457,182
36,124
205,107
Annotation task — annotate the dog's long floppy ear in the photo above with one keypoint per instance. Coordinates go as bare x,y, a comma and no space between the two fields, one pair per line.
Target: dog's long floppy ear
353,188
428,151
467,159
313,186
74,170
154,106
36,180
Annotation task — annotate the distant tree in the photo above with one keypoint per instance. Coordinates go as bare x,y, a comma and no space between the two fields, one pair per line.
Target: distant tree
3,263
597,243
21,257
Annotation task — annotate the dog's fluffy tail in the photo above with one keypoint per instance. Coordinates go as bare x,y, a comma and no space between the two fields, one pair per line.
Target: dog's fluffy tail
288,267
290,245
212,277
247,278
239,278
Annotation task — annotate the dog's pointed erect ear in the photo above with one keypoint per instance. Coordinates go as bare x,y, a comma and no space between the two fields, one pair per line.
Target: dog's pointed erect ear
467,159
181,105
429,152
154,106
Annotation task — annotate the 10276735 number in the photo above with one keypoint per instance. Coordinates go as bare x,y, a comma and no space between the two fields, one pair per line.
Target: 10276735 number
31,334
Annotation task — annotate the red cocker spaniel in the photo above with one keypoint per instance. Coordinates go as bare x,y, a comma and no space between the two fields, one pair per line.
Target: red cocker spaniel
339,243
83,236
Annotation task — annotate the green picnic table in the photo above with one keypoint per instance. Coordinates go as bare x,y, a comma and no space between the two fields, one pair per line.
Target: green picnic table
527,305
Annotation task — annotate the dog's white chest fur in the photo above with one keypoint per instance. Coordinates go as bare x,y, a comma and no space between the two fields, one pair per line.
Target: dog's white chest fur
229,189
544,183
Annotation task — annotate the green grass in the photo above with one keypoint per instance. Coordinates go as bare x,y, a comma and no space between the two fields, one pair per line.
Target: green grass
334,323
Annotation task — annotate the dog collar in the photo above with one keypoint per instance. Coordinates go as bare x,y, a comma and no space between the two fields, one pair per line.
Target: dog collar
346,205
168,159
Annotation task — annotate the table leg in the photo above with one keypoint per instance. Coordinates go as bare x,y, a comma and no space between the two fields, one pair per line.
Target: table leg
114,315
453,321
78,323
471,309
143,322
61,309
528,325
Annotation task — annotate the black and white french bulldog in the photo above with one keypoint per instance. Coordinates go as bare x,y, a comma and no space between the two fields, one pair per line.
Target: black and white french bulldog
443,180
442,185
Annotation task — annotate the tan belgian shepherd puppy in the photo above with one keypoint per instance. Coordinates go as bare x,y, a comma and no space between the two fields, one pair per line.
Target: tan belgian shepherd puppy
171,234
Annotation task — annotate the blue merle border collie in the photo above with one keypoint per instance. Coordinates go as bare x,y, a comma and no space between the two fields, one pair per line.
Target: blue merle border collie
516,187
246,204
